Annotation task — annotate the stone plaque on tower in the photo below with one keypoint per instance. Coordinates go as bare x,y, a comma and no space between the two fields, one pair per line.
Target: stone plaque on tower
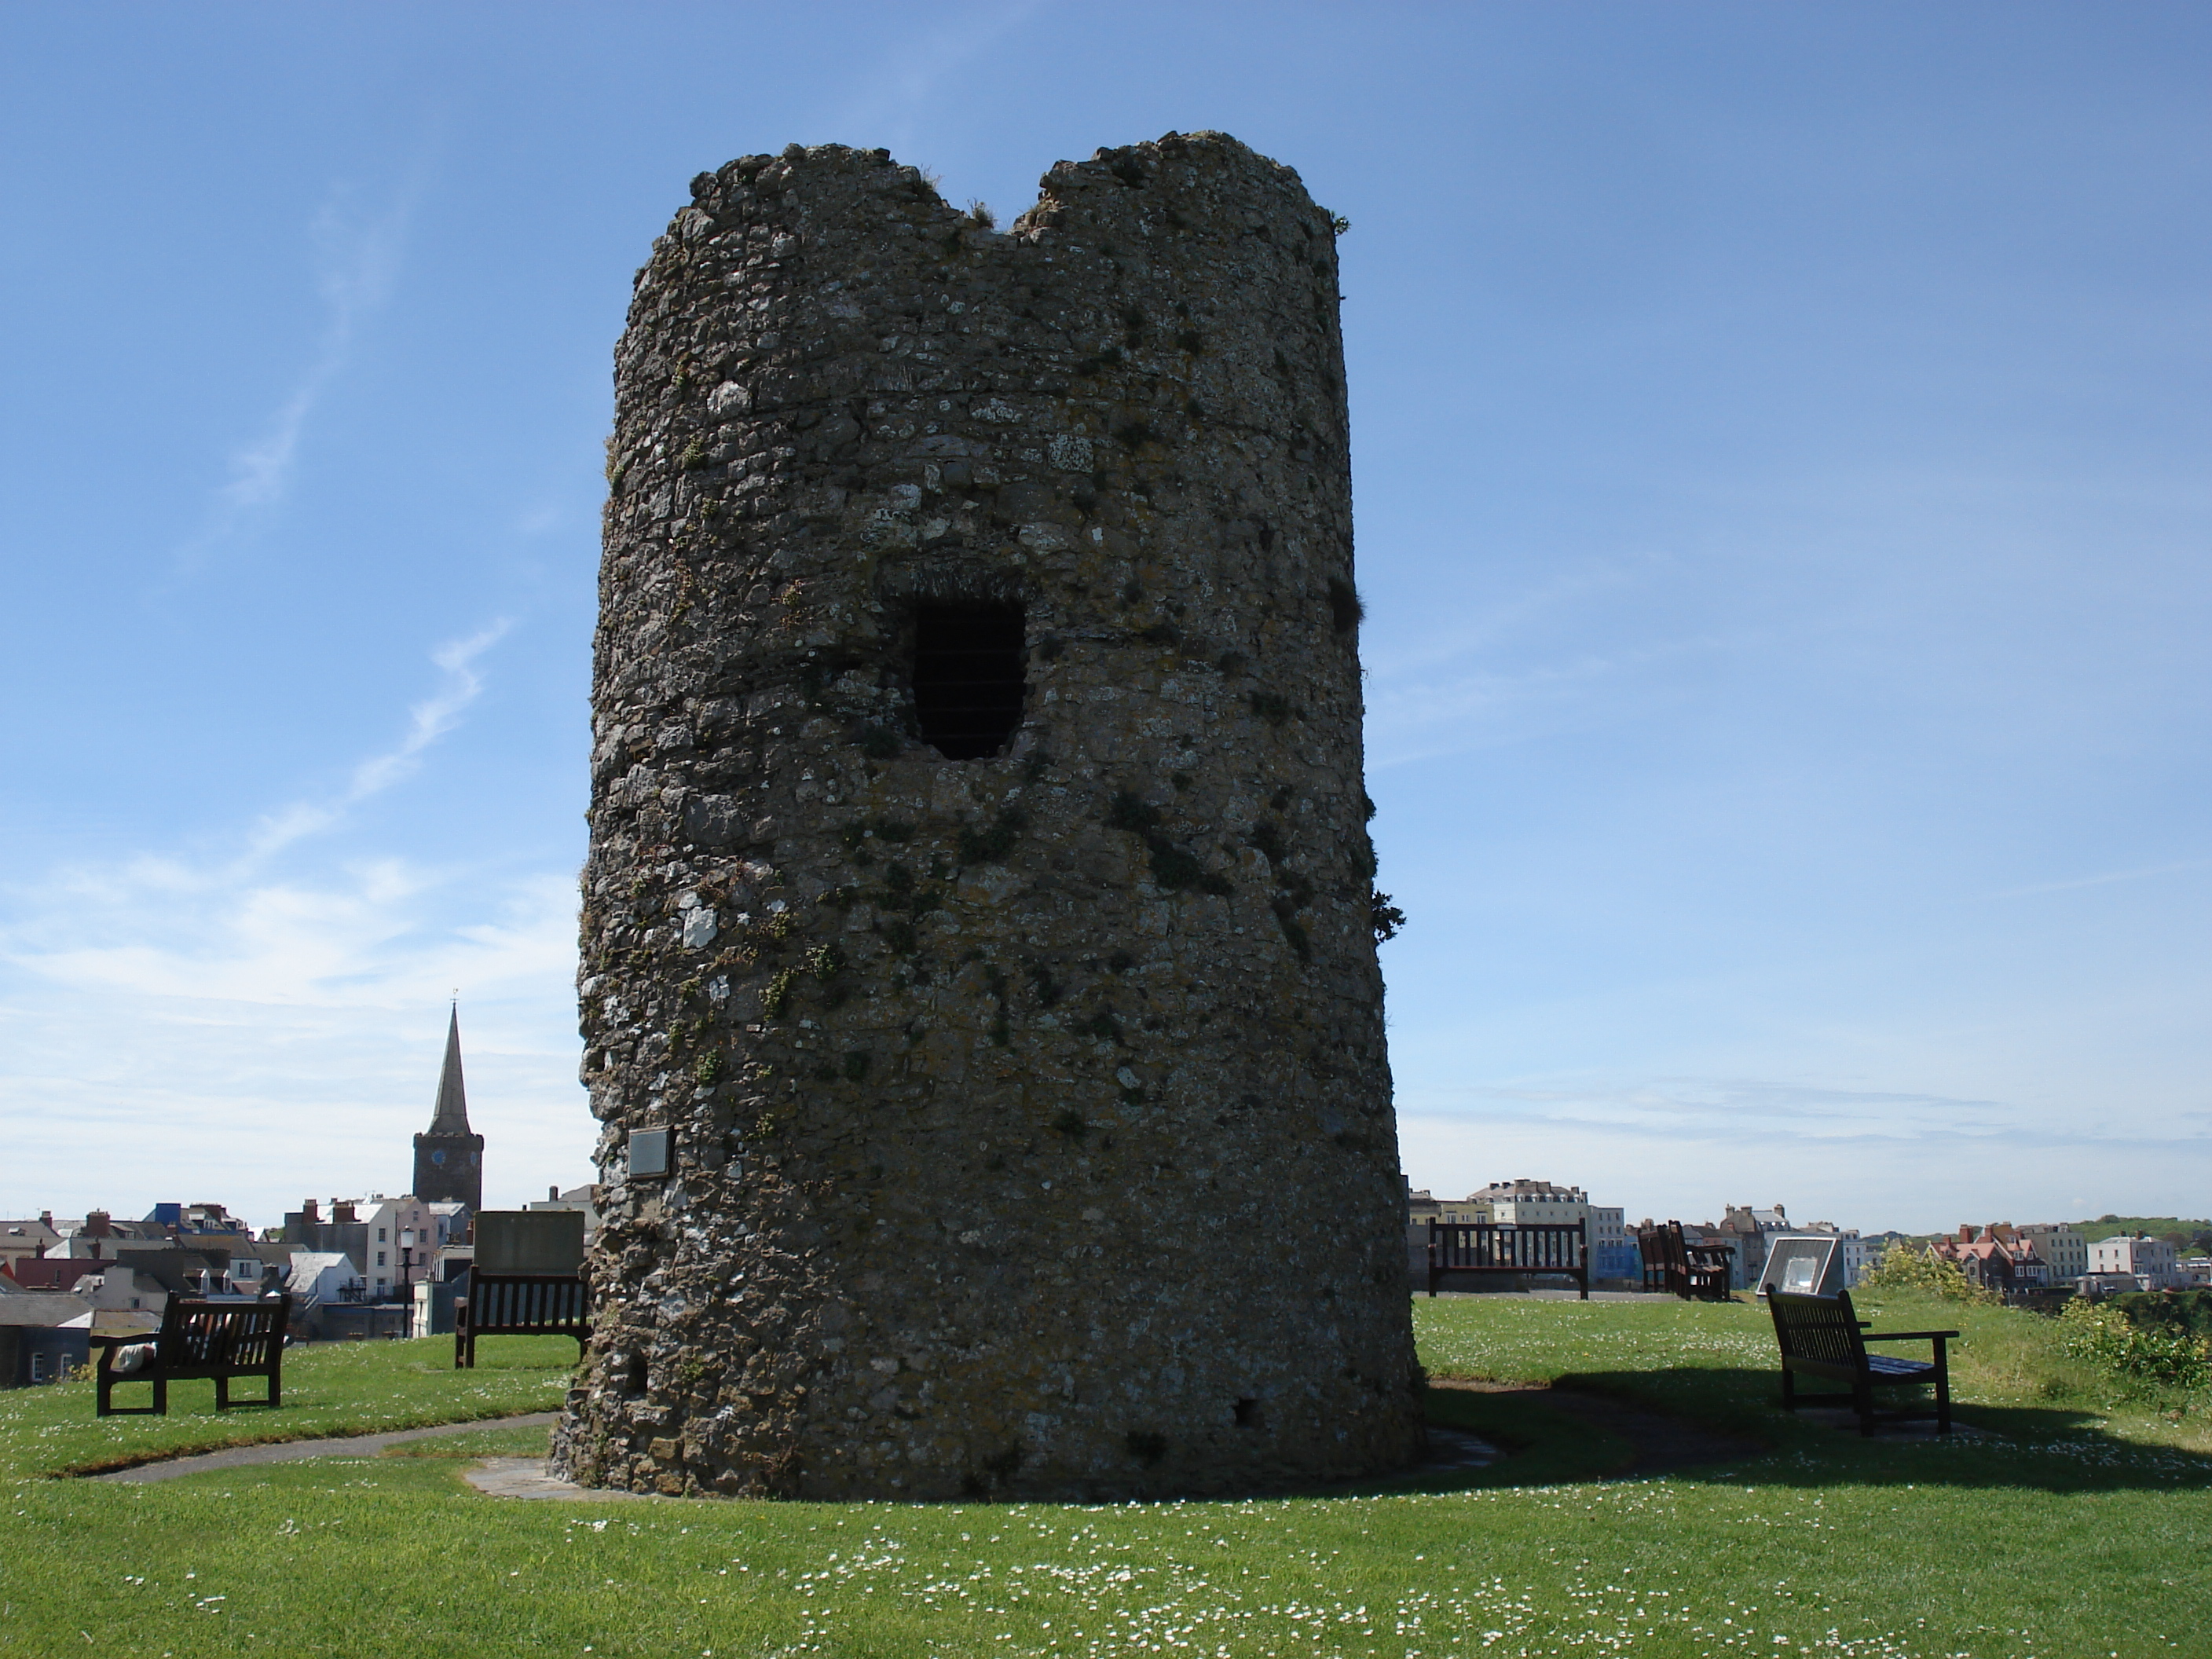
979,985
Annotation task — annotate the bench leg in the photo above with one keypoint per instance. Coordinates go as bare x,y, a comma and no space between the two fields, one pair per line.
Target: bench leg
1789,1389
223,1402
104,1395
1942,1390
1862,1402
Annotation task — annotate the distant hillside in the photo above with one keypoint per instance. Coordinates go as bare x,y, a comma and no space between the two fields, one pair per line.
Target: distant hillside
2158,1226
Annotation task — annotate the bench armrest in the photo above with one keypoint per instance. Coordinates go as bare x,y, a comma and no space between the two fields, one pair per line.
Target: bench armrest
1906,1336
113,1340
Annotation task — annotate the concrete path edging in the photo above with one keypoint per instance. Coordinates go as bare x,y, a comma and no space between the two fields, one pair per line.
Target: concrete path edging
293,1451
527,1477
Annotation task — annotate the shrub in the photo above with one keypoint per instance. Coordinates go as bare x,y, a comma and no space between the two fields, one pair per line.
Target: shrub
2184,1310
1907,1267
2156,1355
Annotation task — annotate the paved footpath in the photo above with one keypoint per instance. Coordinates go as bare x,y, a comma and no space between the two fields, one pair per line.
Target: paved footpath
293,1451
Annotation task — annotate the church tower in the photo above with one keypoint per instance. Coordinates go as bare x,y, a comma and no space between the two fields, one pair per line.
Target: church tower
449,1160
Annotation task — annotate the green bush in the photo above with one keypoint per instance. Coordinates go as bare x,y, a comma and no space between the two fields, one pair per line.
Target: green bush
1907,1267
2183,1311
2152,1356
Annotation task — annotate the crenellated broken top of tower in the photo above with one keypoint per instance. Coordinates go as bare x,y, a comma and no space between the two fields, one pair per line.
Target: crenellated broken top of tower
979,982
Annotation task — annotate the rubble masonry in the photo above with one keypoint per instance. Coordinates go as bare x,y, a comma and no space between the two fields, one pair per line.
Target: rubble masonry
1030,1116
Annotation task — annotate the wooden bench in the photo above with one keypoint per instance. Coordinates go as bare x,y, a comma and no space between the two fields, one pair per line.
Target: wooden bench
197,1339
1821,1336
1486,1248
520,1304
1672,1263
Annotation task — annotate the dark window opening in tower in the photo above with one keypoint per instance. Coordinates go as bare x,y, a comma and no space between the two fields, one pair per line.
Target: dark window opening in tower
968,680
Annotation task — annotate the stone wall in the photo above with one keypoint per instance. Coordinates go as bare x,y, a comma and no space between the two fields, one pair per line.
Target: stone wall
1030,1125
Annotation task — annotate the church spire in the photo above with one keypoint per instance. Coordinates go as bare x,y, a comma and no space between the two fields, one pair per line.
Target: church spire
449,1159
452,1115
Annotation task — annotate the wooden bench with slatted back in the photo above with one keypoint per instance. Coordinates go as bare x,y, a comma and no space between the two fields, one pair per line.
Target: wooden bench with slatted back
521,1305
1524,1250
199,1339
1822,1336
527,1279
1672,1263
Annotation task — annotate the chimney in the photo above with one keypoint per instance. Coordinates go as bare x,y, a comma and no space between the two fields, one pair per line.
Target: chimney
47,1219
552,1194
311,1212
341,1211
96,1224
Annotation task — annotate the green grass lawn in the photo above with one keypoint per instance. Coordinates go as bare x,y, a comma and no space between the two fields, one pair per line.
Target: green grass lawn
2080,1532
339,1388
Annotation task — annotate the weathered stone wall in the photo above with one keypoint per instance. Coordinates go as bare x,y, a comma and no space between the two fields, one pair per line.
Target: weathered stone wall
1031,1118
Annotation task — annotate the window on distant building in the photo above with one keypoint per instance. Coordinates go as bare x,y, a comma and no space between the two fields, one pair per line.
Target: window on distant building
380,1235
380,1258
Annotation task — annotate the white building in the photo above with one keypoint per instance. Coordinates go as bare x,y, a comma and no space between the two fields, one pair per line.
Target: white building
1524,1203
321,1276
405,1236
122,1290
2061,1247
2150,1261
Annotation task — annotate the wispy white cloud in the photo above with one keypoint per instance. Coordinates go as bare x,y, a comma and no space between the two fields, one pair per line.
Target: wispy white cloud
261,1042
1934,1181
1433,716
1505,668
1731,1108
260,1019
1872,1159
356,259
248,932
2178,868
1418,643
428,722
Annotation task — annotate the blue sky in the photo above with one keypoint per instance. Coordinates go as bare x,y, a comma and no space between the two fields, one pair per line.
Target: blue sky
1781,439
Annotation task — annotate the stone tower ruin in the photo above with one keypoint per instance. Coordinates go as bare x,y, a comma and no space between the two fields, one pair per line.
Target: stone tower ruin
979,983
